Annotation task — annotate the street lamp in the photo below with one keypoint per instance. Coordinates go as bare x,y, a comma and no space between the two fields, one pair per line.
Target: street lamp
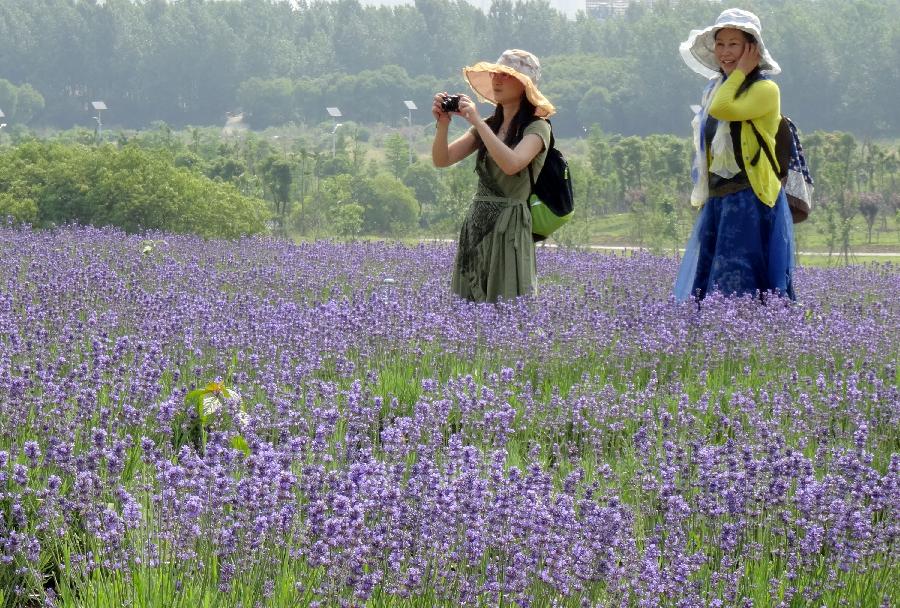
335,114
333,131
410,106
99,106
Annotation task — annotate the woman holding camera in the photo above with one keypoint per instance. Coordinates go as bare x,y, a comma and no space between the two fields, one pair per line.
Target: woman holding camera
495,257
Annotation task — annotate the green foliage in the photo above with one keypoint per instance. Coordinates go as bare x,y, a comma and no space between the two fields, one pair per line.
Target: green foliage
390,207
135,189
590,90
226,168
277,174
315,215
349,205
396,150
191,62
369,96
206,409
349,219
628,190
19,103
8,96
29,103
428,188
21,210
270,101
457,187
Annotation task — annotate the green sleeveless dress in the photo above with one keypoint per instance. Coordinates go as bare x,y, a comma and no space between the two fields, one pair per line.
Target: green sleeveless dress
495,256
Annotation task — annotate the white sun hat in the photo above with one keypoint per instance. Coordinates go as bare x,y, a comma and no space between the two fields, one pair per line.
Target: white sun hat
698,51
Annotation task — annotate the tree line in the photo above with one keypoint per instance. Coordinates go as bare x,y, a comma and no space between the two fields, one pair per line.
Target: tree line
47,184
200,181
190,62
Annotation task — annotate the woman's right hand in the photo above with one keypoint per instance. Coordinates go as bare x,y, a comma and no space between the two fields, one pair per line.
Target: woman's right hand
436,111
749,59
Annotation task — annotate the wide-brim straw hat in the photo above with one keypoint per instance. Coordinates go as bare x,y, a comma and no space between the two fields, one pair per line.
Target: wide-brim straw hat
698,51
521,65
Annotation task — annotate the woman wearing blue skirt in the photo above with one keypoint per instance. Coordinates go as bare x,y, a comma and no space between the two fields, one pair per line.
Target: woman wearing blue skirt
743,239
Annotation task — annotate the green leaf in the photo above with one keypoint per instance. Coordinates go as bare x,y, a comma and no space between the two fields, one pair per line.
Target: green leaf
239,443
195,397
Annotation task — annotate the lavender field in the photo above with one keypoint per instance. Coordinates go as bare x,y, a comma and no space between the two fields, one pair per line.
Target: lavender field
253,423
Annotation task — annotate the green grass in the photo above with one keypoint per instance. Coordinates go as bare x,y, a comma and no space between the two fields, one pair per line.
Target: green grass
401,370
823,260
177,584
616,230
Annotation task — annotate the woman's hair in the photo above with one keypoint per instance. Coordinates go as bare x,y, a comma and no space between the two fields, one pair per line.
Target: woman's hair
516,127
747,35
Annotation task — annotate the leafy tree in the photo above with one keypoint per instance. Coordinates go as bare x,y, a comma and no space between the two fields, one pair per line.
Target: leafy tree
316,215
581,105
189,62
9,94
20,104
452,35
359,41
390,207
629,156
639,216
334,166
278,176
20,210
428,188
869,205
501,24
460,182
396,150
665,217
268,102
226,168
588,188
836,164
348,220
132,188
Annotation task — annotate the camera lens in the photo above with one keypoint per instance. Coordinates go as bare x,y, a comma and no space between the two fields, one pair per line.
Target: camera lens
450,103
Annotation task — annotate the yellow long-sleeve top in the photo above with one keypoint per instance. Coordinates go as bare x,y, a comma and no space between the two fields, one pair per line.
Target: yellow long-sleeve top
761,103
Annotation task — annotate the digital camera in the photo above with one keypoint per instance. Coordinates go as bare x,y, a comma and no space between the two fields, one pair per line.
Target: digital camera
450,103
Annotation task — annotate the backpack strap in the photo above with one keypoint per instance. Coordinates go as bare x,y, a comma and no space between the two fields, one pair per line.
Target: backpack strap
763,147
552,143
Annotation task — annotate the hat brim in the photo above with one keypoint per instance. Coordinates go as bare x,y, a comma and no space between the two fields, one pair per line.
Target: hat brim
479,78
698,51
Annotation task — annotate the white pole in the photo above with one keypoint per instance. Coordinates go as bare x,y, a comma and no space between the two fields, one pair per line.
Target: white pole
409,120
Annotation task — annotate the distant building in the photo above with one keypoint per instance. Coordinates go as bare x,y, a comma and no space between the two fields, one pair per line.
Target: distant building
604,9
234,124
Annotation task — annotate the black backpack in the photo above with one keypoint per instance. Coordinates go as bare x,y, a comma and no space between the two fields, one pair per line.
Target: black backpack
553,185
791,167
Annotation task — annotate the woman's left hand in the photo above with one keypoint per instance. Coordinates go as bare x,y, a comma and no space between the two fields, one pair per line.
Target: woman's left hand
749,58
468,109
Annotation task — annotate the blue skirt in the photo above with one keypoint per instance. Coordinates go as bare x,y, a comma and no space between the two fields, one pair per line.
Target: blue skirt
739,245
